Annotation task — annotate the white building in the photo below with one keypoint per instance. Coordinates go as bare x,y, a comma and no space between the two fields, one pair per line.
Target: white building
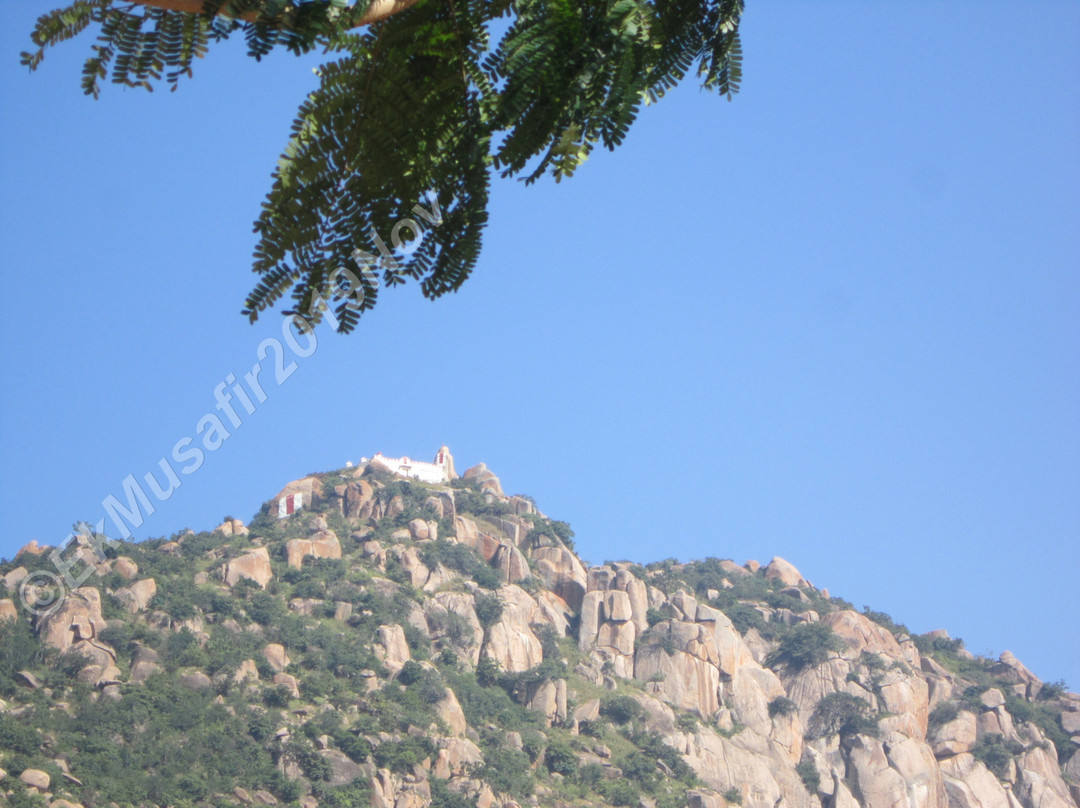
439,472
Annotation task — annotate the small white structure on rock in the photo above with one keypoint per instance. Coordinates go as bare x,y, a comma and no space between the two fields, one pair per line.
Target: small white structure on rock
439,472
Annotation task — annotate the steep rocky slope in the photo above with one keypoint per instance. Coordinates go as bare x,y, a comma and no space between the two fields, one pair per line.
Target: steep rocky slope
399,644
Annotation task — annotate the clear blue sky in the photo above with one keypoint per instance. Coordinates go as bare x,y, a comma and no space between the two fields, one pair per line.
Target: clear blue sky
834,320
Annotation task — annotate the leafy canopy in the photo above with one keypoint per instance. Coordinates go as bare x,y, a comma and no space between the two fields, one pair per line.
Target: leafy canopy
386,173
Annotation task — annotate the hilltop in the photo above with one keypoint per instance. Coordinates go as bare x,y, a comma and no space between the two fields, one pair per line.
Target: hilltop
372,639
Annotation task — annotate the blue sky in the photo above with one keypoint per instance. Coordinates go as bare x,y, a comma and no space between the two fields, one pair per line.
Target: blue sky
834,320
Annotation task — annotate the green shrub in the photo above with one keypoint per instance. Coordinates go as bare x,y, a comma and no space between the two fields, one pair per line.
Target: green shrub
532,743
401,756
1053,690
621,709
488,610
992,751
17,737
807,645
506,769
358,749
943,714
461,559
841,713
354,795
782,706
443,797
654,616
620,792
411,673
264,608
733,795
810,776
560,758
885,621
636,766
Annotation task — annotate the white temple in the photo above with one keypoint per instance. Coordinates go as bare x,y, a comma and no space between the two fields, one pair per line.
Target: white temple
441,471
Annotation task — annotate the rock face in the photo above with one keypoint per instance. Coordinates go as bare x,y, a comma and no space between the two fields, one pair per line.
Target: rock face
511,641
254,565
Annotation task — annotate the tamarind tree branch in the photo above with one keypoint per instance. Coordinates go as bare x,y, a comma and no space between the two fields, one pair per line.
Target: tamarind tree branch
378,10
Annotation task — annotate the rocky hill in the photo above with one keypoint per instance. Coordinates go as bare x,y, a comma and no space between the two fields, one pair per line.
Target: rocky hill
400,644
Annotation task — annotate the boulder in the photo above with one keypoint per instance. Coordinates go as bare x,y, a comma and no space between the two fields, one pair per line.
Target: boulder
7,610
873,782
13,578
456,757
955,737
392,648
549,699
310,487
276,657
487,481
125,568
512,563
323,544
232,527
289,681
1040,782
342,770
32,548
254,565
449,710
992,698
196,680
422,530
35,778
246,672
862,634
359,500
137,596
970,784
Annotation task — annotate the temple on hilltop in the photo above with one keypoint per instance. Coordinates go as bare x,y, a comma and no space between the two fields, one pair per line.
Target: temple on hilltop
441,471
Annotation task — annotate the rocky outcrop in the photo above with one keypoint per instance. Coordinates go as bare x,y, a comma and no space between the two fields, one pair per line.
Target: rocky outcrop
76,626
560,570
784,571
703,686
485,478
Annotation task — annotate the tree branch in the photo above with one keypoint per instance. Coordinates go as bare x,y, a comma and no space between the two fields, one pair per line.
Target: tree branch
378,10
